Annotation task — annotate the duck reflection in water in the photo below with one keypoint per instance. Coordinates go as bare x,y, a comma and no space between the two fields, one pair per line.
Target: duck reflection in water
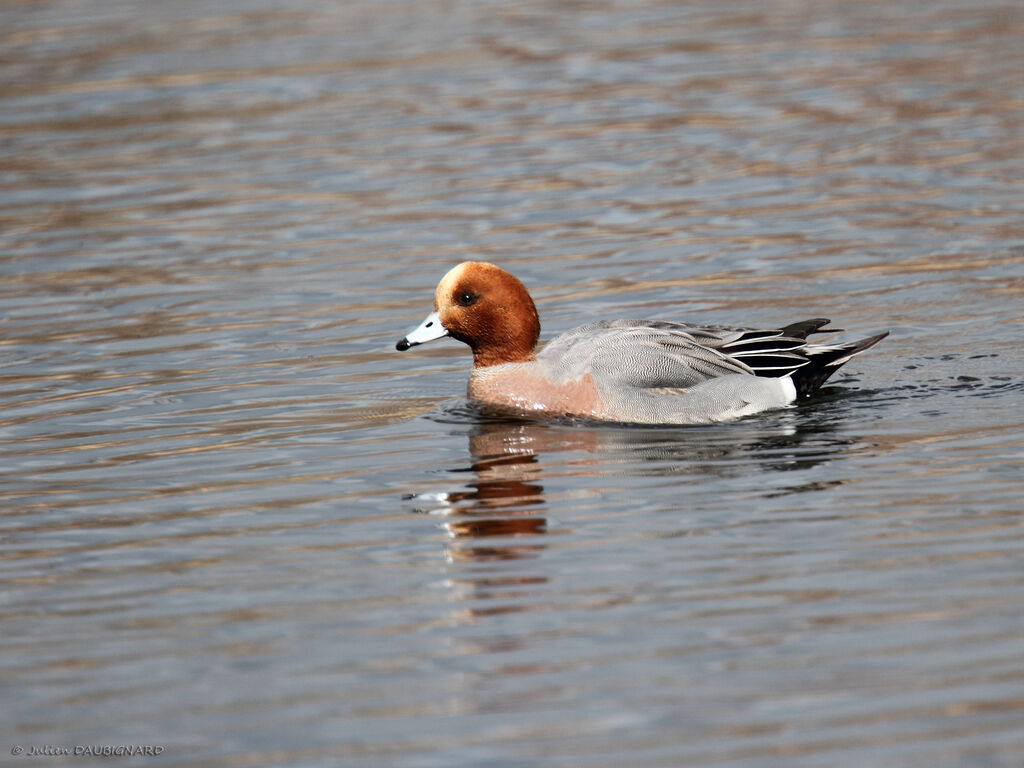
498,521
507,498
505,502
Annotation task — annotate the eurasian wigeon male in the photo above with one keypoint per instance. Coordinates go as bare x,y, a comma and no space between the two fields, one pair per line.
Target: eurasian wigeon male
636,371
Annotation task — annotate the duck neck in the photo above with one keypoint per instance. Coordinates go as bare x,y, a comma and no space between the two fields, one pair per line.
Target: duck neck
485,356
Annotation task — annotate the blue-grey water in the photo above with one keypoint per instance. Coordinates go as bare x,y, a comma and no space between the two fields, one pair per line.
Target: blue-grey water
240,528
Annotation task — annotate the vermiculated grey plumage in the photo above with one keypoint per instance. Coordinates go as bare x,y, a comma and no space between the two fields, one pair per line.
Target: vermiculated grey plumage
657,354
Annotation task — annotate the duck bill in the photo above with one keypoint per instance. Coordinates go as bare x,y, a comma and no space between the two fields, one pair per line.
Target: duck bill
428,330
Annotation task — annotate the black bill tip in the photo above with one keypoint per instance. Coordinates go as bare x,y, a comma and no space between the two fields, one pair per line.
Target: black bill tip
403,344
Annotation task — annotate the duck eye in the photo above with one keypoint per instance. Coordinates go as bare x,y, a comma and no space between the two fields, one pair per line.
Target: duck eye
466,299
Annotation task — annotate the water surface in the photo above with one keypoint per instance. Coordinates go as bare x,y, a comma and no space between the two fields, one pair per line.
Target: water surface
237,524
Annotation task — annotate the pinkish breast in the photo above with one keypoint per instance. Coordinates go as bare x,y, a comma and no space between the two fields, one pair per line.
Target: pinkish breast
522,387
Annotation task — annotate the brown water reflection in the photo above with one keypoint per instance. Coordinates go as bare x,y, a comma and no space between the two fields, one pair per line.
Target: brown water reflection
504,501
506,498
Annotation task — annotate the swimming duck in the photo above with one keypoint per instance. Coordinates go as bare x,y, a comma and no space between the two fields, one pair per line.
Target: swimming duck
634,371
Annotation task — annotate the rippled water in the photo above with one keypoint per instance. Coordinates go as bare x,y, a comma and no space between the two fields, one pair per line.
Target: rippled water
239,526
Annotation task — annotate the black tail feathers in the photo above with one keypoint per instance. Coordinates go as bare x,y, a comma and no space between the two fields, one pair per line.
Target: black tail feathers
826,359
